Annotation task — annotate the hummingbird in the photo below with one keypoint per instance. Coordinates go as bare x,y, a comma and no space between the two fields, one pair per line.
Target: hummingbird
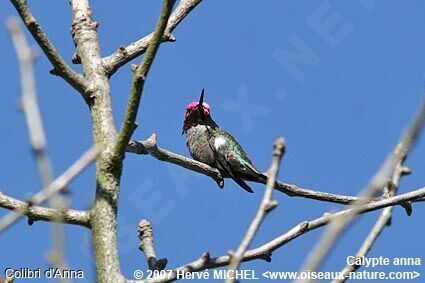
210,144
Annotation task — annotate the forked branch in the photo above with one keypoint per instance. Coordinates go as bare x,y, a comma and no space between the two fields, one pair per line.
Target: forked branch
139,78
125,54
267,204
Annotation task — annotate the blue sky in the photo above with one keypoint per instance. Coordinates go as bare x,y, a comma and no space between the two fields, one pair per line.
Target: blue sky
341,112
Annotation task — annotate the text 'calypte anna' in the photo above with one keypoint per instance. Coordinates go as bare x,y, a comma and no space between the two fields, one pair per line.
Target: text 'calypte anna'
209,144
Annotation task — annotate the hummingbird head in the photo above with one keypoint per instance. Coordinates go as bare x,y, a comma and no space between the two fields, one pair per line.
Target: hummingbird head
198,113
193,116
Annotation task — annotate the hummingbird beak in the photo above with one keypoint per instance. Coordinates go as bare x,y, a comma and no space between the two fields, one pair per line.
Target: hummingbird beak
201,106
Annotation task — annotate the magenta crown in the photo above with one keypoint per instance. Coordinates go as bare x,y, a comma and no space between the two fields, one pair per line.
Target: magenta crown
195,104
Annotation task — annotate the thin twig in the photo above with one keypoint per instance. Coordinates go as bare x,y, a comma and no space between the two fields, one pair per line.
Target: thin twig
37,136
139,78
383,221
265,251
57,185
378,182
145,234
125,54
29,103
60,67
266,205
150,146
40,213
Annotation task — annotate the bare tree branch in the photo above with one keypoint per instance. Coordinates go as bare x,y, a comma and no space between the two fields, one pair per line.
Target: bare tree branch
103,215
378,182
266,205
149,146
125,54
36,213
61,182
264,252
145,233
37,136
384,220
139,78
60,67
29,98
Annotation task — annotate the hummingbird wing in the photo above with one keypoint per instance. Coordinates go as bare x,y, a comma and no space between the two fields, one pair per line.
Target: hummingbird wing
239,160
228,157
224,162
225,165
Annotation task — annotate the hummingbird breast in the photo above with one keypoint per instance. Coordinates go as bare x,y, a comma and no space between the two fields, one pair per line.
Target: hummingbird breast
198,144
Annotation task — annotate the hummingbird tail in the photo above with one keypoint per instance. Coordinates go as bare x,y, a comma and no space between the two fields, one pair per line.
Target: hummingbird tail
262,177
242,183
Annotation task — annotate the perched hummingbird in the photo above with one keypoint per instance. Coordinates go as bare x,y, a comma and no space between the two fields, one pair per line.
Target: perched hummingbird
209,144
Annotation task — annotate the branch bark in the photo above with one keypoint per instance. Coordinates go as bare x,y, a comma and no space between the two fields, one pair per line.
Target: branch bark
125,54
266,205
103,214
145,234
150,147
